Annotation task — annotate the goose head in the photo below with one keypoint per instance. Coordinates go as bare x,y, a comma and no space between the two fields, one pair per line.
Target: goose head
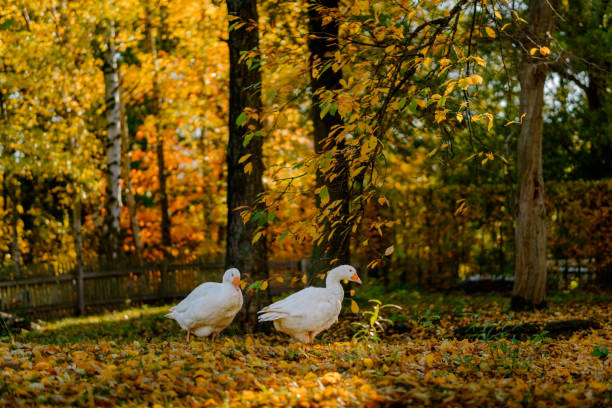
232,276
344,272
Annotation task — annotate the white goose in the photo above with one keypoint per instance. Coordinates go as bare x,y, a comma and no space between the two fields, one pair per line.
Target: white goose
210,307
308,312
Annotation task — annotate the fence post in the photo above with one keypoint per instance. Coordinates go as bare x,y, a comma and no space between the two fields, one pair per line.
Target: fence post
164,277
80,290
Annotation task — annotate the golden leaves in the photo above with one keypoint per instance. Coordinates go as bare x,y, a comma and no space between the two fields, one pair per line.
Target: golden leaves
354,306
108,361
544,51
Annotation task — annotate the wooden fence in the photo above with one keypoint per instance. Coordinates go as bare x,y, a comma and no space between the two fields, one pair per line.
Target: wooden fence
58,294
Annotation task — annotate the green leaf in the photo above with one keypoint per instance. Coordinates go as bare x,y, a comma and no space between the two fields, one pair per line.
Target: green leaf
412,106
333,108
326,107
247,139
241,119
323,193
282,236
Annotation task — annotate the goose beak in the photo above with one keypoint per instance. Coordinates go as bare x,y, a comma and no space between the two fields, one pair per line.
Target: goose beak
236,283
355,278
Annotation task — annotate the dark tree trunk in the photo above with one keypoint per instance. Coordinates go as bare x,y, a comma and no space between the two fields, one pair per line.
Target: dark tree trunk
16,249
530,266
244,189
322,44
162,194
126,170
78,246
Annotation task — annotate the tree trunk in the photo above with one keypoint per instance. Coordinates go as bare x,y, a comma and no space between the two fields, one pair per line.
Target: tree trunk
530,266
78,246
113,150
244,189
16,255
322,44
161,161
126,169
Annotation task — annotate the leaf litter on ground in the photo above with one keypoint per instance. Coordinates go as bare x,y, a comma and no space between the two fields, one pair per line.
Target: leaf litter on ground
138,358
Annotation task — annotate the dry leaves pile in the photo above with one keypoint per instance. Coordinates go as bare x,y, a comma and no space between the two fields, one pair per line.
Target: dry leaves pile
137,358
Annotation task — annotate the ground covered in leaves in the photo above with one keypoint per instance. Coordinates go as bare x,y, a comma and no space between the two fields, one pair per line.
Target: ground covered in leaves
139,358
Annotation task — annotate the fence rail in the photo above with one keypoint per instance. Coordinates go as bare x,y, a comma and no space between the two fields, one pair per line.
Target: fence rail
58,296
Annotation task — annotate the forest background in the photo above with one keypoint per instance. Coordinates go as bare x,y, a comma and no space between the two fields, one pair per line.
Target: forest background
382,133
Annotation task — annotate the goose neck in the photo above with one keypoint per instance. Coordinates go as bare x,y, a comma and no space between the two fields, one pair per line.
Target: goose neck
334,286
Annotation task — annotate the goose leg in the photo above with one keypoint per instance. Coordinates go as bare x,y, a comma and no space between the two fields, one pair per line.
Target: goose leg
212,338
188,333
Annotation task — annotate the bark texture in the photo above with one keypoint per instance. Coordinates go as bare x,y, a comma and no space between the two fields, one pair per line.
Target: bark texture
322,44
112,203
159,149
243,189
78,246
530,265
126,169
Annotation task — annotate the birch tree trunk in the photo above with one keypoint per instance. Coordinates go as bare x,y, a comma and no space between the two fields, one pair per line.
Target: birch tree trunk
322,44
243,189
530,265
161,161
126,169
113,148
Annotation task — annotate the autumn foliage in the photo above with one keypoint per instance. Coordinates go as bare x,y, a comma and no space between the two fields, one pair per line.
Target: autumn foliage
137,358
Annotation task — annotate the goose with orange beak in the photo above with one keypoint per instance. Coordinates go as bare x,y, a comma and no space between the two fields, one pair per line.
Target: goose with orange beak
308,312
210,307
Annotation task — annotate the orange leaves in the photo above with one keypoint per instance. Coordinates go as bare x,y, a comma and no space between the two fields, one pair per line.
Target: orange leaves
100,362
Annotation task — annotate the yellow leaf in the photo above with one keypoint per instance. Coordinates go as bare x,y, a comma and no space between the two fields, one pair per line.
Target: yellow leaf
533,51
490,32
480,61
354,306
368,362
459,117
331,378
477,79
304,279
544,51
264,285
352,292
450,88
248,168
598,386
389,250
256,237
421,103
244,158
280,279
